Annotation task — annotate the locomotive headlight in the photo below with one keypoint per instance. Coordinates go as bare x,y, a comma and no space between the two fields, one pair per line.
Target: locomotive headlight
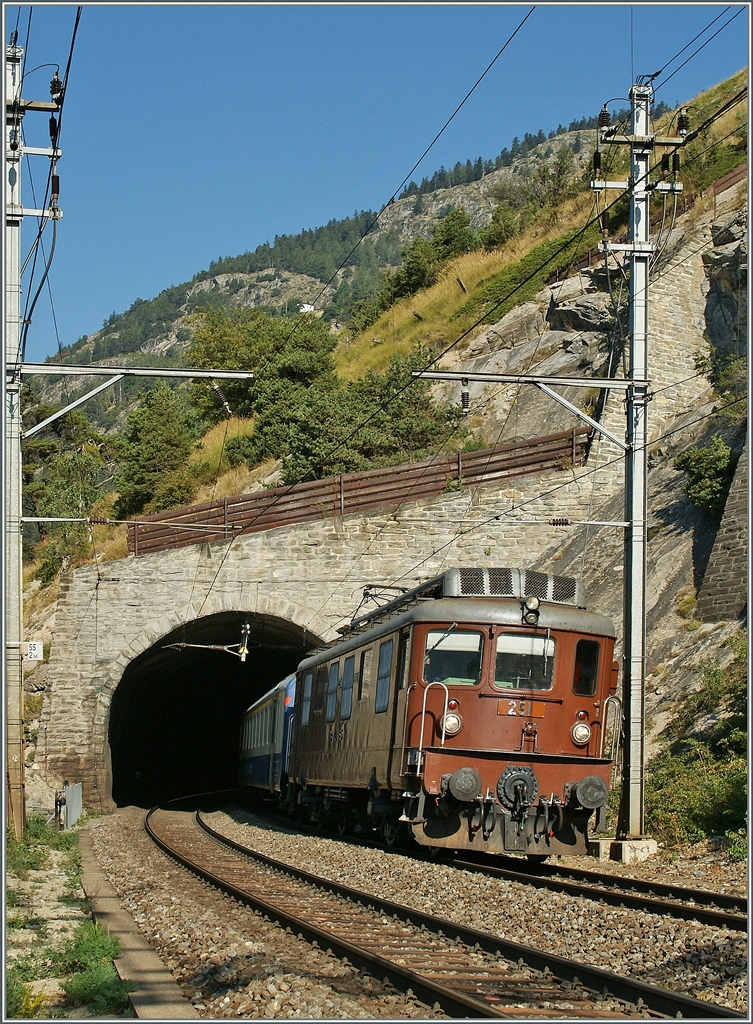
531,610
452,723
581,733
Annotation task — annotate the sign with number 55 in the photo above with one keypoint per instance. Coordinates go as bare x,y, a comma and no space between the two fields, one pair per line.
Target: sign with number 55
34,650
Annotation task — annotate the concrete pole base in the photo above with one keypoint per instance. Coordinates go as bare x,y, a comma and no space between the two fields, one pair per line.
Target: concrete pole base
628,851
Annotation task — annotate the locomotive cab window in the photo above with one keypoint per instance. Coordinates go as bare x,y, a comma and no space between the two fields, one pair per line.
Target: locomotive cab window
453,657
586,670
524,662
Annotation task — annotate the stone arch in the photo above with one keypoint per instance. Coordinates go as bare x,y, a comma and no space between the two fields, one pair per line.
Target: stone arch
149,677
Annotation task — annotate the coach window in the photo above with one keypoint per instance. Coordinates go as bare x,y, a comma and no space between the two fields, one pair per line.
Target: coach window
334,671
308,683
524,662
364,674
346,697
453,656
383,677
320,689
586,667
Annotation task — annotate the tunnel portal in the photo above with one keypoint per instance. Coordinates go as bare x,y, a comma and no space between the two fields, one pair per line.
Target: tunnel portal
175,715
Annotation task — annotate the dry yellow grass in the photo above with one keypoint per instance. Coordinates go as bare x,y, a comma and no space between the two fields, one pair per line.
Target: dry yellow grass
236,480
399,331
211,446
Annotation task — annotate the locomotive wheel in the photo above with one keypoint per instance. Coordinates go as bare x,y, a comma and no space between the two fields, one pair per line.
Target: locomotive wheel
537,858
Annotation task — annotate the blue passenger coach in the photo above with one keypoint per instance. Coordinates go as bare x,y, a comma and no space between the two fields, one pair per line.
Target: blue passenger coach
265,738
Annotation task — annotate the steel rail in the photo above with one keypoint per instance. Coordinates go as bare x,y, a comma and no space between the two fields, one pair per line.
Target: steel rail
544,874
657,1000
454,1003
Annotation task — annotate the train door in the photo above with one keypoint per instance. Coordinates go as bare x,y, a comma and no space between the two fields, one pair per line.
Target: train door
338,719
402,671
356,718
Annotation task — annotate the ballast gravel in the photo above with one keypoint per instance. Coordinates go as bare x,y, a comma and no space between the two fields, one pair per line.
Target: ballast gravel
228,960
231,963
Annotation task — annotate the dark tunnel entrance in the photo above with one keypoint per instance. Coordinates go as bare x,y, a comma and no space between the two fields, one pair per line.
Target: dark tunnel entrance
175,716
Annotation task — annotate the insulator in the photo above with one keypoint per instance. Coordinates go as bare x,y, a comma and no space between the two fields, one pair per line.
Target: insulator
683,123
465,397
223,400
55,187
53,130
605,223
604,117
675,163
561,521
597,164
56,89
13,139
665,163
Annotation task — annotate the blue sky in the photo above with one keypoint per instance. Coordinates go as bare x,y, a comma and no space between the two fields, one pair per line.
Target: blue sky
192,132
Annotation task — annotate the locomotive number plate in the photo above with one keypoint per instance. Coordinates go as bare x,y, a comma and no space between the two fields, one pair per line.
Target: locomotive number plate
521,708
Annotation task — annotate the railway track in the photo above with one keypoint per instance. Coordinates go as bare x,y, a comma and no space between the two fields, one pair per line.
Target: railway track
715,909
468,973
710,908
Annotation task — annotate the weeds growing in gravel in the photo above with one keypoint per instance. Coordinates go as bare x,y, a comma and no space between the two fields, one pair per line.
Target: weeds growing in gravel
20,1001
94,982
83,960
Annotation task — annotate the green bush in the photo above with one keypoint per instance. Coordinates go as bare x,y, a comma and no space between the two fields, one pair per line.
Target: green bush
737,844
710,471
697,786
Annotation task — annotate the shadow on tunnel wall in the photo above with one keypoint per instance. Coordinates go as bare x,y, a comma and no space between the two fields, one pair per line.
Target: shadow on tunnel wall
175,716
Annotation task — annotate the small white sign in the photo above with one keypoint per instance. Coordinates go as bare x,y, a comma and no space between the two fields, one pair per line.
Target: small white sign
34,650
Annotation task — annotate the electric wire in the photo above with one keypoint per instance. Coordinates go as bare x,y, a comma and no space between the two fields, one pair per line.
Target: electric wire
447,349
55,143
373,223
138,581
432,362
558,487
696,52
685,47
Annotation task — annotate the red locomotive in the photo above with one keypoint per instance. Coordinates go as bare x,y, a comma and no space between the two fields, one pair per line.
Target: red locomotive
470,712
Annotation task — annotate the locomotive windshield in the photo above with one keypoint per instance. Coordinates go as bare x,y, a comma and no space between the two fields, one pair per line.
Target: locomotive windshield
524,662
453,657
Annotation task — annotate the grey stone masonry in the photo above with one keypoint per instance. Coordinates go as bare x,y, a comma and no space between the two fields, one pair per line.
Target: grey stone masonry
724,592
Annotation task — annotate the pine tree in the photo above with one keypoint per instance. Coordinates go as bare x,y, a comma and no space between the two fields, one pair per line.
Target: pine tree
156,447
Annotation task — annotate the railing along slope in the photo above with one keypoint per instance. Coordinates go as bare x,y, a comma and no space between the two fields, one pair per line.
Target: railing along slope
353,492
